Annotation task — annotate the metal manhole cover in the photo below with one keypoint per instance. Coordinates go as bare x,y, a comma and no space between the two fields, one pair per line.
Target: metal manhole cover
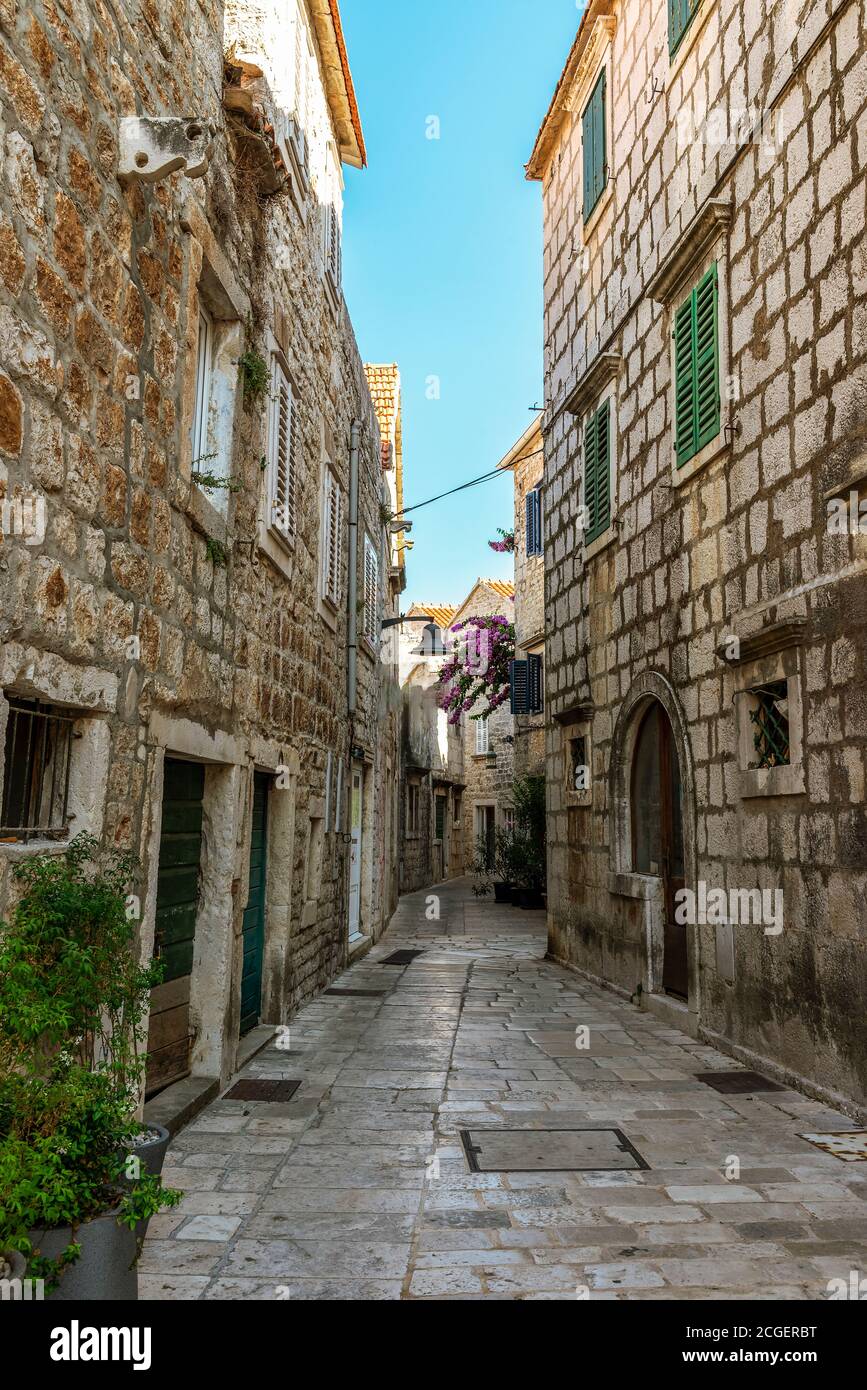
401,958
358,993
737,1083
848,1144
549,1150
263,1090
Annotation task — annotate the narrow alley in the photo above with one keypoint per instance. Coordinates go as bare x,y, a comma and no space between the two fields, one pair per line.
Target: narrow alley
359,1187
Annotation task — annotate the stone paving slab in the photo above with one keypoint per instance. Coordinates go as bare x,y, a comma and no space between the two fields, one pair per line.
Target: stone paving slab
359,1189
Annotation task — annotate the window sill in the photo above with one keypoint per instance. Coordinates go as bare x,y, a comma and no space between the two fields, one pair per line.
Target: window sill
365,645
328,612
13,851
773,781
632,885
205,517
601,543
714,450
280,549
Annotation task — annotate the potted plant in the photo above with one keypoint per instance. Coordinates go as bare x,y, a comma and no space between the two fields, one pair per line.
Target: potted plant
527,848
74,1193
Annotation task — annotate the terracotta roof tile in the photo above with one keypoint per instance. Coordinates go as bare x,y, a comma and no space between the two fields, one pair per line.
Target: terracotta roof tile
442,613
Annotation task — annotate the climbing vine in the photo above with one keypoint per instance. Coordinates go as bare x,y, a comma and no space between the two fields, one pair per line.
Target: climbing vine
476,670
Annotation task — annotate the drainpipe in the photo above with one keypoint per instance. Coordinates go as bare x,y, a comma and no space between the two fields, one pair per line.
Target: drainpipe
352,628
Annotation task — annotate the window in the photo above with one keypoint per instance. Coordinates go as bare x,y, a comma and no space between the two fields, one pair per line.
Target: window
597,472
333,247
593,147
508,820
283,451
371,592
37,757
525,679
204,367
696,369
332,538
533,519
483,736
680,15
412,808
770,718
440,830
456,811
579,772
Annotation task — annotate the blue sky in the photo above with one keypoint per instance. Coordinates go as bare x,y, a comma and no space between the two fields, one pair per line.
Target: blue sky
443,250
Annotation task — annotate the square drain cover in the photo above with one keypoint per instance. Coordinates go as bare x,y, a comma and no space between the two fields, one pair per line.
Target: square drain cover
401,958
549,1150
358,993
263,1090
850,1145
737,1083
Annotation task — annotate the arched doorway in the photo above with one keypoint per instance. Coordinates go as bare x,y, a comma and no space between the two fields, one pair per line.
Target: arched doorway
657,833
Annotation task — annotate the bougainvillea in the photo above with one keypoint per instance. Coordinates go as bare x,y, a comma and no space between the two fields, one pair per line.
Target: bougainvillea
476,669
506,545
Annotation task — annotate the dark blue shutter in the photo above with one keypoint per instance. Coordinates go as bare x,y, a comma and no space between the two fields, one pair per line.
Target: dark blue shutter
529,522
533,520
519,680
535,702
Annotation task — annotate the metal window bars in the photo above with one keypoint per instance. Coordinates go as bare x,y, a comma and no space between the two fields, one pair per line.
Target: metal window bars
36,772
771,720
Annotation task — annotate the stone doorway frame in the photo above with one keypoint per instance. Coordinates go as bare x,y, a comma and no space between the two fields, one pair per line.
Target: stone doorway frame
648,687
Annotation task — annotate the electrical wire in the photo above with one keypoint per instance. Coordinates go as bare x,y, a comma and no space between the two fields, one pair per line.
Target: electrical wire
485,478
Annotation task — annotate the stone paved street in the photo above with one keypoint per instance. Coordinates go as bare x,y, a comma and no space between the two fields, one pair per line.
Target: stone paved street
334,1195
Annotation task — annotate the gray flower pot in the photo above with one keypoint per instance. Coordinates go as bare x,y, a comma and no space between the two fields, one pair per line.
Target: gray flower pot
152,1154
105,1270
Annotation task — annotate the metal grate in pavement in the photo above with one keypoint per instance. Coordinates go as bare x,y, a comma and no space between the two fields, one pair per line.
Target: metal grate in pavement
549,1150
358,993
263,1090
737,1083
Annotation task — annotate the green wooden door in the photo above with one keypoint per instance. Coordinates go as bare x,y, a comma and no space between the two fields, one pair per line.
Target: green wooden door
176,911
254,913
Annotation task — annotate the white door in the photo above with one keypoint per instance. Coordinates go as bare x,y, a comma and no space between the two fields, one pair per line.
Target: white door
355,853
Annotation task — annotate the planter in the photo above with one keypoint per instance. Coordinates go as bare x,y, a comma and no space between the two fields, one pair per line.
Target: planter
502,892
13,1265
528,898
105,1270
152,1148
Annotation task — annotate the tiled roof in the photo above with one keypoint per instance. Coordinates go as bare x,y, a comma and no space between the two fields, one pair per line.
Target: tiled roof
384,383
558,110
442,613
500,586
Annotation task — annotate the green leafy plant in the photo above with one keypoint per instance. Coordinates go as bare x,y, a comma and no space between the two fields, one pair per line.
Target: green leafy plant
255,375
520,849
216,551
73,1004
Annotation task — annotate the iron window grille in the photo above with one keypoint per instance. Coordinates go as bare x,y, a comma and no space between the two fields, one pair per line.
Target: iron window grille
771,721
38,754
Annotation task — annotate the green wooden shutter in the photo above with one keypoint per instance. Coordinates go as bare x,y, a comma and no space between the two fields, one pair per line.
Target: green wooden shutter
590,451
680,16
707,385
684,381
594,146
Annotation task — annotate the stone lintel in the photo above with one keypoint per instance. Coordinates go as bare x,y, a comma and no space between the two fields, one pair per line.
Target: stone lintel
689,248
603,369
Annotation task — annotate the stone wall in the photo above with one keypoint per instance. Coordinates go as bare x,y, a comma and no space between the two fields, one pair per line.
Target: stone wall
237,662
738,547
528,470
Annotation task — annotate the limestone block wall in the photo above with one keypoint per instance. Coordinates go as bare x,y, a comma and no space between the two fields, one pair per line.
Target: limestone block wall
741,547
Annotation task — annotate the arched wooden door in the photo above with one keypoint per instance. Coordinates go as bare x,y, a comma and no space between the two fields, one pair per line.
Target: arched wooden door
657,834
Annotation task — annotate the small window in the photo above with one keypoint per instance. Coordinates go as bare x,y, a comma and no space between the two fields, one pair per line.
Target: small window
597,472
204,370
412,808
37,759
593,147
483,736
770,719
440,818
533,519
283,453
508,820
526,680
333,248
680,15
332,538
371,592
456,811
697,404
579,771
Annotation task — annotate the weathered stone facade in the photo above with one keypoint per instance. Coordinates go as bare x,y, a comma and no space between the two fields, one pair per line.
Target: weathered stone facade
719,580
526,463
187,619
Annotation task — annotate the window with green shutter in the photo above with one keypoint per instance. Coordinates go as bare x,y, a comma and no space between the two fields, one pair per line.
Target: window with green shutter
697,410
593,147
680,15
597,472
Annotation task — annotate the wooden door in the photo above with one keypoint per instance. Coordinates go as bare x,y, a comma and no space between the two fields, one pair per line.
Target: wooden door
254,913
169,1034
356,819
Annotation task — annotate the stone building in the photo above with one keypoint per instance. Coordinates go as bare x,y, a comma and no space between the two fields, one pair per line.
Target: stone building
489,744
525,460
705,270
196,560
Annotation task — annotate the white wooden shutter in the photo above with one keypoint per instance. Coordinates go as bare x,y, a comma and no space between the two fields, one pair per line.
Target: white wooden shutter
283,452
482,736
371,592
332,538
334,248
